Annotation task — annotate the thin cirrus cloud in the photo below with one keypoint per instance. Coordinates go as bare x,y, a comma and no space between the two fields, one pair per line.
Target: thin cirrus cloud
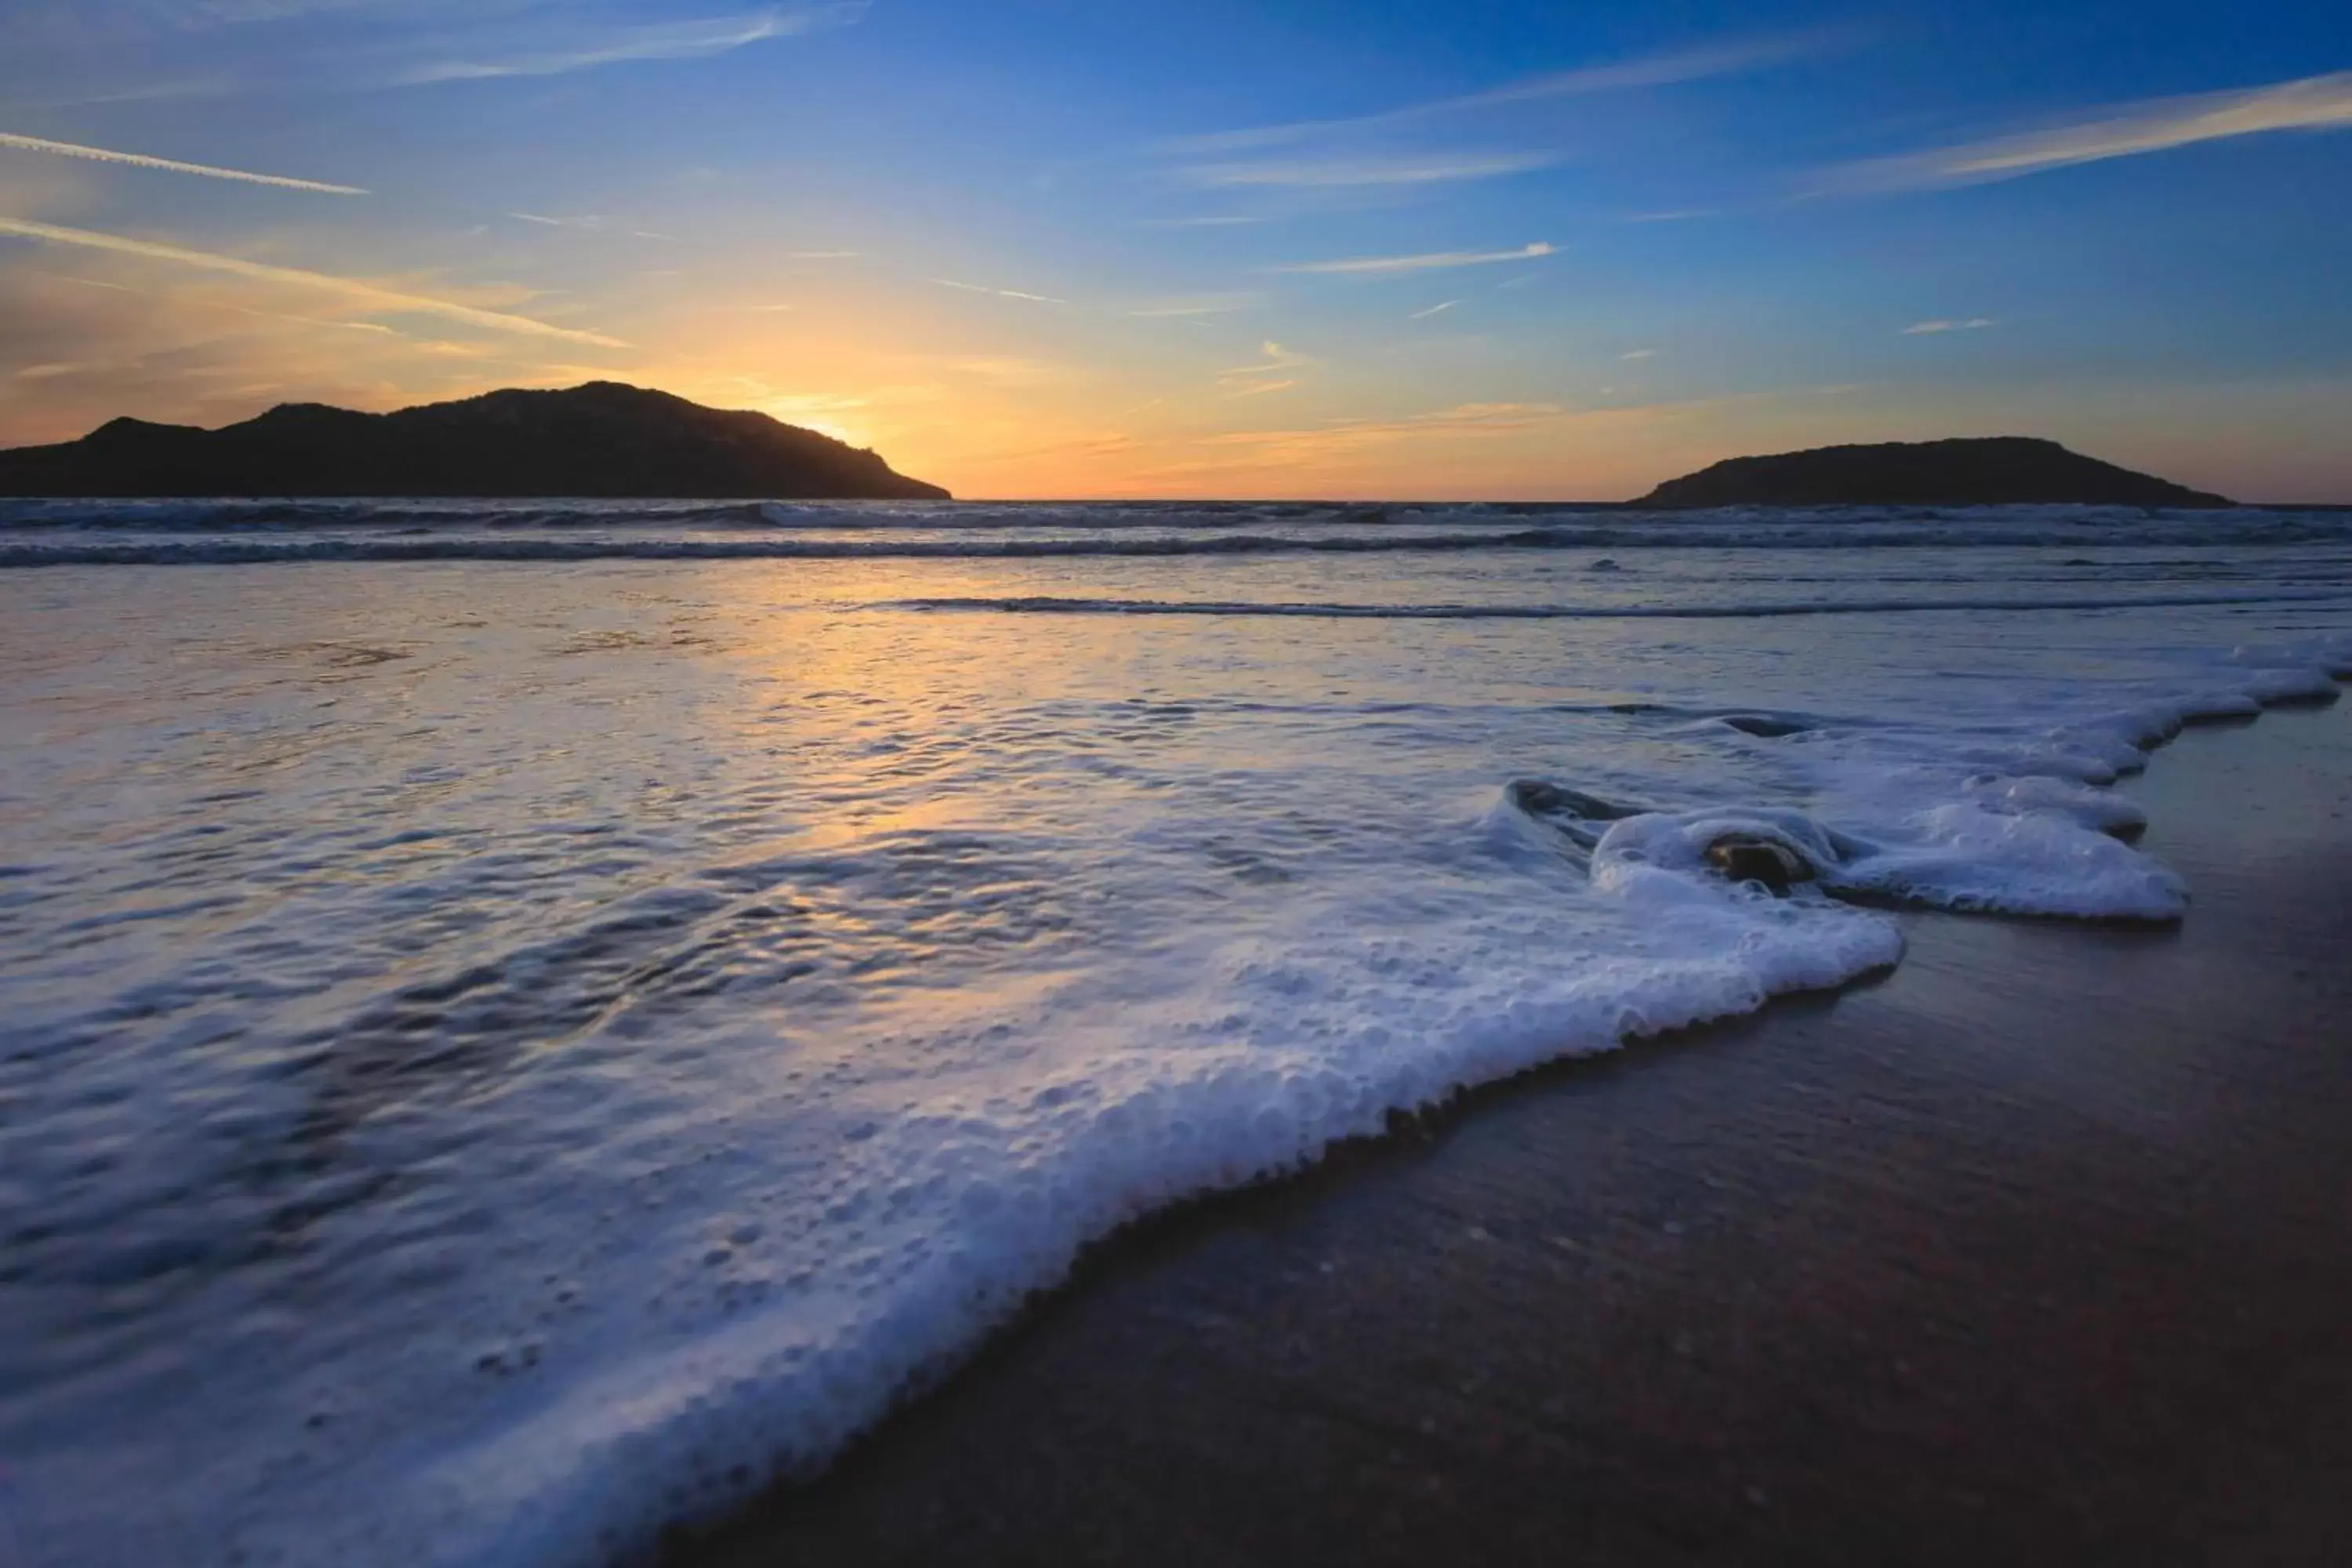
1437,310
212,49
1000,293
1278,358
173,165
592,223
659,41
1465,421
1346,173
1666,70
1193,307
1392,266
367,296
1270,373
2310,103
1928,329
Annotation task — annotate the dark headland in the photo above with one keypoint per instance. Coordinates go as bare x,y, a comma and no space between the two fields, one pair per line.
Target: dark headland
1998,471
603,439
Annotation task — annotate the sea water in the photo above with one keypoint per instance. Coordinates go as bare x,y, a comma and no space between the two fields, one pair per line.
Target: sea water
519,1022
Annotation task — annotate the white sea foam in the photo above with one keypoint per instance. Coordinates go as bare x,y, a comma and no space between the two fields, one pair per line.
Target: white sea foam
497,1060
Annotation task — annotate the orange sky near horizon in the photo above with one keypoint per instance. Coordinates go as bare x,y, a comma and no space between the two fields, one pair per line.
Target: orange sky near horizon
1124,256
1089,402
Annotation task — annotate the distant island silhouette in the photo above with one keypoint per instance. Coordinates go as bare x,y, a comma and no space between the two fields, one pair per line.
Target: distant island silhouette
1998,470
607,439
604,439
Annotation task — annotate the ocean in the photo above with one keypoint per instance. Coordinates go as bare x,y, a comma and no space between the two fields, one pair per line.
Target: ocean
519,1023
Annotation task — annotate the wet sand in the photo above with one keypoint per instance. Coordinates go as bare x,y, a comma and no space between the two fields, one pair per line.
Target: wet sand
2036,1251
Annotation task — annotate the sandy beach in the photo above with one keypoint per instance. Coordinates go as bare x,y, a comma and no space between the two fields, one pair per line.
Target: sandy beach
2032,1251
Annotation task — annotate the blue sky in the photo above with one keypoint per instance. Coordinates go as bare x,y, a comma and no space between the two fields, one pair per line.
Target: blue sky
1311,248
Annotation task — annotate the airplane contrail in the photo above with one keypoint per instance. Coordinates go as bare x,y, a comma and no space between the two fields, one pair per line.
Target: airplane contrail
171,165
370,295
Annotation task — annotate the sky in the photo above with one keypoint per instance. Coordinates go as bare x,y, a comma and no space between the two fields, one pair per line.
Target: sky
1403,248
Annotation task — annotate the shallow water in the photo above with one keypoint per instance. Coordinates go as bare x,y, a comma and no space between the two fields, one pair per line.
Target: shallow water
504,1045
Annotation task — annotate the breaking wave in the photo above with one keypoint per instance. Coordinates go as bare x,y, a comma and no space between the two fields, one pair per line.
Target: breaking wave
1736,611
101,533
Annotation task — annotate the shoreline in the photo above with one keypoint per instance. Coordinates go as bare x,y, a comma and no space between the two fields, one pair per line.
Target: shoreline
2030,1247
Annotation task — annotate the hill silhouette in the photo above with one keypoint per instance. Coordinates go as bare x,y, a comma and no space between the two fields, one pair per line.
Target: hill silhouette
604,439
1998,471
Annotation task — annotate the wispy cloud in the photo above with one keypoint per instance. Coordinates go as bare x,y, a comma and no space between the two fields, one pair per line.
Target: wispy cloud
378,328
1467,421
1346,173
102,51
658,41
807,403
591,223
1645,71
366,295
1270,373
1278,358
171,165
1380,266
1000,293
1437,310
2312,103
1208,220
1670,69
92,283
1639,353
1109,444
1923,329
1007,369
194,16
1194,306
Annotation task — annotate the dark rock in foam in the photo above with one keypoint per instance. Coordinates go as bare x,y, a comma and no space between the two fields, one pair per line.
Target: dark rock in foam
600,440
1746,858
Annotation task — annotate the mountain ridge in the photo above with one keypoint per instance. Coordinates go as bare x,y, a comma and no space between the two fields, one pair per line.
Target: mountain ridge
601,439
